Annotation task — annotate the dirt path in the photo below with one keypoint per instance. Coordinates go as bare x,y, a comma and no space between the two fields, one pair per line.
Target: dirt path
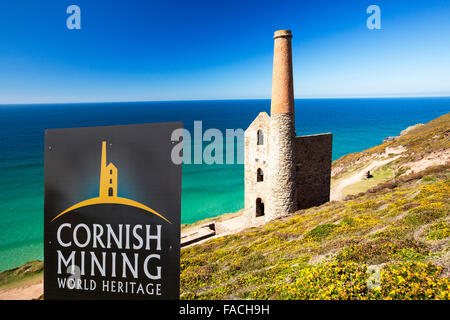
336,191
433,159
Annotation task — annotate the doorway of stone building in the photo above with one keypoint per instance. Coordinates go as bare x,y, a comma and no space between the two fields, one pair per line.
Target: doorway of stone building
259,208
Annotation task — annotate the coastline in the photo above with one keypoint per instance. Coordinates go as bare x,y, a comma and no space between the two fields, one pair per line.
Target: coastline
35,219
26,281
232,222
207,190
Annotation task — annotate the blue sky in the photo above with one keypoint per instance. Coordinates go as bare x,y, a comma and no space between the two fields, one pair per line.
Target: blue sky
138,50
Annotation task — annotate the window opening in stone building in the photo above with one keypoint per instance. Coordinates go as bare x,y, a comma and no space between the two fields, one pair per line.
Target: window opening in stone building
259,175
260,138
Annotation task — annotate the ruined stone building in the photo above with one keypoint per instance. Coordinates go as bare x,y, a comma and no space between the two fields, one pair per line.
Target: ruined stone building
283,172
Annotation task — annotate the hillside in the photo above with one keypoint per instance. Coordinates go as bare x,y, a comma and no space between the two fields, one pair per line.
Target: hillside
24,282
399,226
415,149
395,225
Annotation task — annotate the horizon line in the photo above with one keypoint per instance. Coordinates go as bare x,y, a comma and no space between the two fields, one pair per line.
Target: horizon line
227,99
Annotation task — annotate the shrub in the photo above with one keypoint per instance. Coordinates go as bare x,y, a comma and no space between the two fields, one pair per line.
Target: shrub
425,213
439,231
320,232
413,281
383,250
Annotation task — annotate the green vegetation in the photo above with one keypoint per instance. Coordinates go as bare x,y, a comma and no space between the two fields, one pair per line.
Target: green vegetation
395,222
323,252
439,231
395,227
382,174
320,232
22,274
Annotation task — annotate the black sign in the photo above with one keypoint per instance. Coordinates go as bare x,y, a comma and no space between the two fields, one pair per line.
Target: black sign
112,213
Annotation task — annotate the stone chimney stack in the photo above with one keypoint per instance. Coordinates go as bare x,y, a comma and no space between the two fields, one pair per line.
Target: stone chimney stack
282,82
283,184
283,172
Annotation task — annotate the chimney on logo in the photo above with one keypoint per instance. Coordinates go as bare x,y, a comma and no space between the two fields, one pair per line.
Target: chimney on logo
108,176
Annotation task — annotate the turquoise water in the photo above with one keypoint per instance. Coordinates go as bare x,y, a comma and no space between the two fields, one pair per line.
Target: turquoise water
207,190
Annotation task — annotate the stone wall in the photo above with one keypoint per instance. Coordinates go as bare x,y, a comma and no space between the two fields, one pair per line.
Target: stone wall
296,170
282,198
256,157
313,161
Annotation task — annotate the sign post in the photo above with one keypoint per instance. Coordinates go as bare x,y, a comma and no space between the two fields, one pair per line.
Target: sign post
112,213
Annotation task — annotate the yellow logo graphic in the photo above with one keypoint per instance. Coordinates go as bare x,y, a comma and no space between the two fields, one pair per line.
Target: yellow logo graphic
108,190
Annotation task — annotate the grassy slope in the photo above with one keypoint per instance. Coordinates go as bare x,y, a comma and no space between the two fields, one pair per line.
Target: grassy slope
322,253
382,174
28,273
400,227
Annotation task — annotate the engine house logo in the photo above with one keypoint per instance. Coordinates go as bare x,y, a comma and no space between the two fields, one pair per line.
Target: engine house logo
108,190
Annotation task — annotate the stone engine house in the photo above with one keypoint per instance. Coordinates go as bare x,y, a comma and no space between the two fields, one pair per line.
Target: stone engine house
283,172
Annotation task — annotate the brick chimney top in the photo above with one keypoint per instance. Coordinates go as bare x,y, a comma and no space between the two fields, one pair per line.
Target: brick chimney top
282,33
282,82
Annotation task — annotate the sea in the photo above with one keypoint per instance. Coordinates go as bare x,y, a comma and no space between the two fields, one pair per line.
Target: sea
207,190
